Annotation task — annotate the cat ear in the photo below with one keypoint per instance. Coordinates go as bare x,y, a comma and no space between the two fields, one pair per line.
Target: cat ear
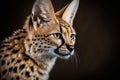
61,11
68,12
43,13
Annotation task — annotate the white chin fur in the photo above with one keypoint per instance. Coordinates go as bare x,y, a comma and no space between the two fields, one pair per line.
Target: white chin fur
51,52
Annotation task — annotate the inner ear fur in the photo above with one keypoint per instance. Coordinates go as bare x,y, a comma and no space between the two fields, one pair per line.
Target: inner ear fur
43,12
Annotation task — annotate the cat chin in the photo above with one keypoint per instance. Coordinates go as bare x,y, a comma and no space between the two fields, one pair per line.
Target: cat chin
52,53
64,57
67,56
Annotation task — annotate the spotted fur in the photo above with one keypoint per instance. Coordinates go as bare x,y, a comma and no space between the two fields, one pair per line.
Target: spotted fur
30,52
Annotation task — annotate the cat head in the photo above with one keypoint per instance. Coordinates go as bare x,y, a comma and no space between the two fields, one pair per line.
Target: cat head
51,33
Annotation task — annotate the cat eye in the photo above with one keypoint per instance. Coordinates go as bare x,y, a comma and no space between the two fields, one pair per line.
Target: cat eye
57,35
73,36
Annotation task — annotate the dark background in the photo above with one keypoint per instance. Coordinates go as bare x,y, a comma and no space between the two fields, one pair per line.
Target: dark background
97,46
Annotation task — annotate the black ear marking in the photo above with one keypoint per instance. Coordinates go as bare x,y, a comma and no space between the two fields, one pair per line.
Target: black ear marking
30,22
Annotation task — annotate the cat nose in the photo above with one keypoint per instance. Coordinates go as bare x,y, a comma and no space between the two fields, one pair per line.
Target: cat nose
70,47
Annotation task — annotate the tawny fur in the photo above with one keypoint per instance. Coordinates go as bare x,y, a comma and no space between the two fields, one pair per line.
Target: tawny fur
30,52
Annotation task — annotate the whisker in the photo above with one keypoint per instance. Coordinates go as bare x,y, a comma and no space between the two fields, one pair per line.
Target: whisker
72,59
75,59
78,58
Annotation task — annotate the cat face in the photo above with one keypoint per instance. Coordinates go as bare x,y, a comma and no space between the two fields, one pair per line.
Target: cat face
50,33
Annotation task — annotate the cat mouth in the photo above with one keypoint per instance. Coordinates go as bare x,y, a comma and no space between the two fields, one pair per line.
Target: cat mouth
62,53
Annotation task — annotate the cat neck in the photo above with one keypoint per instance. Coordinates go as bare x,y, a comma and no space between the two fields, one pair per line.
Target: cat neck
45,62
